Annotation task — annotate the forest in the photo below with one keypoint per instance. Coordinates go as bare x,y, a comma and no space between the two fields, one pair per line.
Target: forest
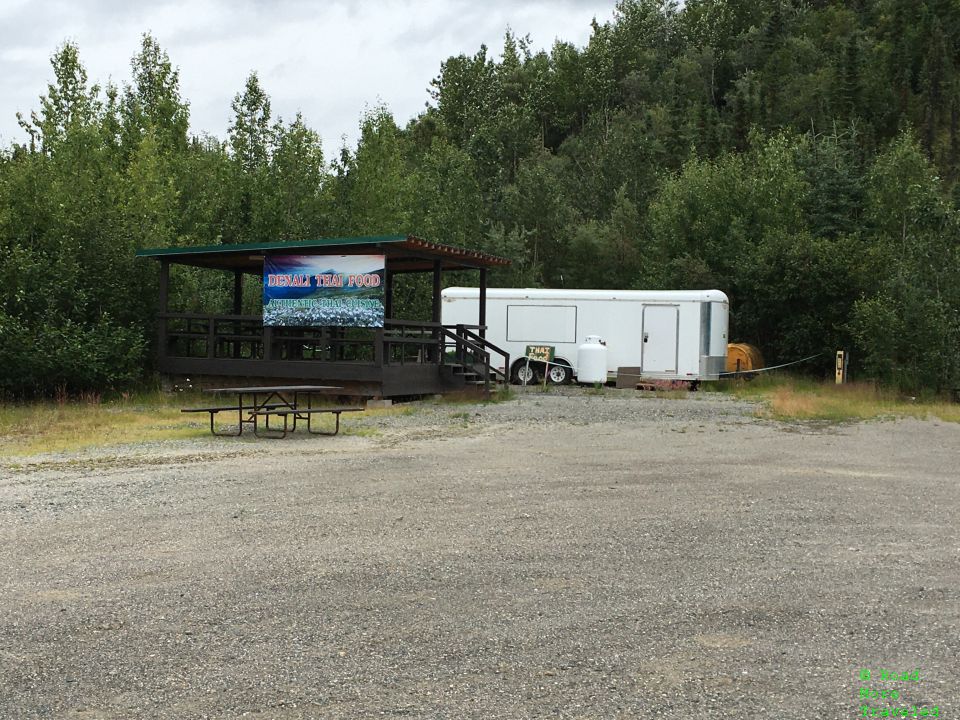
803,156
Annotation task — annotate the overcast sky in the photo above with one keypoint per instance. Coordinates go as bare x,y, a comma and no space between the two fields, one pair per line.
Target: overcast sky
329,59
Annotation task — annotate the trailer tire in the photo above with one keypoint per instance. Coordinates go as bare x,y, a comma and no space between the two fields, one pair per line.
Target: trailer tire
560,373
524,373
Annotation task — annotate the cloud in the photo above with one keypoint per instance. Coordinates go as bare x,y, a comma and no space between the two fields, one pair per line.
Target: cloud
329,60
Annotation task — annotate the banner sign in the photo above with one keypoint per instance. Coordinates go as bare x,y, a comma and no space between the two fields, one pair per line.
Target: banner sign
323,290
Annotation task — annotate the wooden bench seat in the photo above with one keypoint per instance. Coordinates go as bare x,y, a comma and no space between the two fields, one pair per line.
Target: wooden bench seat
285,412
213,410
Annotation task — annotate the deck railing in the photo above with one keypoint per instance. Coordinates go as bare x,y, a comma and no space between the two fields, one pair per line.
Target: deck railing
210,336
469,349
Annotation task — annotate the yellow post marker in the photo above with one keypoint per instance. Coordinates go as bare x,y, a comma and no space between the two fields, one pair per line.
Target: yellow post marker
841,367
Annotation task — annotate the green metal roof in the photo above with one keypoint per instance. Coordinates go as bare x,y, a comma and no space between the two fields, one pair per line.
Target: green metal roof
283,245
404,253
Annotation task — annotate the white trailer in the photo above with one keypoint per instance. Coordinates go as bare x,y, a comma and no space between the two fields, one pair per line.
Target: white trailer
657,334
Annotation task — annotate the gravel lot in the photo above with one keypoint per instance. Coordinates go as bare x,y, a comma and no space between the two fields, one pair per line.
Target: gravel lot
559,555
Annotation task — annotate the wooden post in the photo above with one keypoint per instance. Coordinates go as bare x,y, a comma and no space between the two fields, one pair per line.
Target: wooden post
237,309
267,342
842,361
437,334
436,291
163,305
388,295
482,319
379,351
237,292
211,336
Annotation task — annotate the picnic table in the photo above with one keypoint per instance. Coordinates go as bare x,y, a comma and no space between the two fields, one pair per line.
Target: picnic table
287,402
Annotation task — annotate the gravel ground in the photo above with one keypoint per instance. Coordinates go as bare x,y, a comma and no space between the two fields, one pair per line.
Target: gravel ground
560,555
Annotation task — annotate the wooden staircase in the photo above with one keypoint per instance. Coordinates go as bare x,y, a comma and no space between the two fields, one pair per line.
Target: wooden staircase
466,363
471,378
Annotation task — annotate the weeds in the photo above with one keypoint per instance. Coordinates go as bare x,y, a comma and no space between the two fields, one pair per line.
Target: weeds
793,398
71,425
89,421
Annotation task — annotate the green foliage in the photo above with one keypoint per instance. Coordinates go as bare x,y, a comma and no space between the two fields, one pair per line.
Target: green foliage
250,132
380,187
615,245
908,321
802,157
65,354
152,103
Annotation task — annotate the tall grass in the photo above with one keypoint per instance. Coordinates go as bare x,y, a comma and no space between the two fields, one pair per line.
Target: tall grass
66,425
794,398
63,425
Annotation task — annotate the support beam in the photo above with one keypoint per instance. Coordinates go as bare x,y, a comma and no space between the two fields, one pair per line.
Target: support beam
379,356
434,355
388,295
482,319
436,291
237,292
237,308
267,342
163,307
164,285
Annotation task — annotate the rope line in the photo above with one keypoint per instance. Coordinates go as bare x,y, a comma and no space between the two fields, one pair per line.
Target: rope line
775,367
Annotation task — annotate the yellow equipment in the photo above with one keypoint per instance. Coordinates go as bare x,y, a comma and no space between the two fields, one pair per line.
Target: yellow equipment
742,357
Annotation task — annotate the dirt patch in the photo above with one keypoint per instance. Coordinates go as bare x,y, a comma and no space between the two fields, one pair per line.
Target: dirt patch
562,555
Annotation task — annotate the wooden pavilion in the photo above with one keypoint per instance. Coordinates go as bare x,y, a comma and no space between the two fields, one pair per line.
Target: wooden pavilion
402,358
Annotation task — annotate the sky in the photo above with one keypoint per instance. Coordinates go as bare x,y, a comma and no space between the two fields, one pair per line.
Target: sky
330,60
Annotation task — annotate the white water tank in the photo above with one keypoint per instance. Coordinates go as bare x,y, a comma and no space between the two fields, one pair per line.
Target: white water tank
592,361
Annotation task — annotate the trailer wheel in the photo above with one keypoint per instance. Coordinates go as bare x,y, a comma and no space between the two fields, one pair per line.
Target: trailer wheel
560,373
524,373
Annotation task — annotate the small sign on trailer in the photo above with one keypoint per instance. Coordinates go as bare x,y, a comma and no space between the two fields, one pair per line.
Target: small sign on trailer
540,353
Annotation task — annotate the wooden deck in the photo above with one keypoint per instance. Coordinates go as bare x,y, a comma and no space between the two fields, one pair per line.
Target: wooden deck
403,358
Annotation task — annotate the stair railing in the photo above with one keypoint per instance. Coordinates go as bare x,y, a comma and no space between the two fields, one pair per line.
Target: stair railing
466,342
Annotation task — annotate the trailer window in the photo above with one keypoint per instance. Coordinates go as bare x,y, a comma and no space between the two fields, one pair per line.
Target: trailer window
551,324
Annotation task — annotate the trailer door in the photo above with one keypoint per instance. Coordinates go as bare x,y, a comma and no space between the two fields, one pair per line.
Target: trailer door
660,333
